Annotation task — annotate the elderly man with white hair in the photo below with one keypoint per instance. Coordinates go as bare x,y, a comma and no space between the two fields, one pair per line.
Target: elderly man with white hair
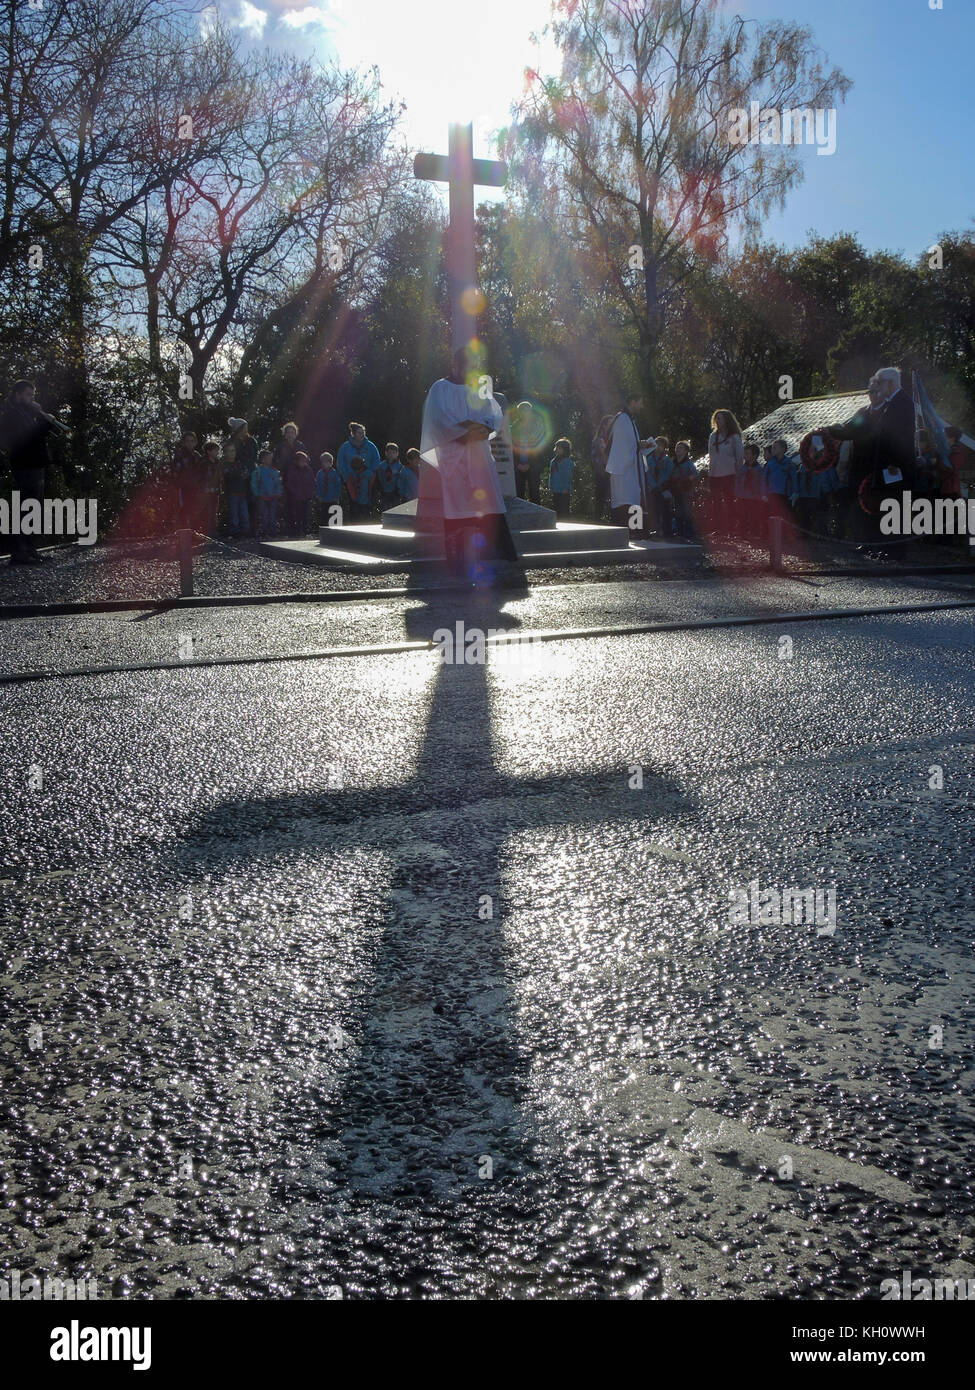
883,441
895,430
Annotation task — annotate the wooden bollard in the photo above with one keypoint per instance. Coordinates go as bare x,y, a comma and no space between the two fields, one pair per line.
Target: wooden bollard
184,545
775,543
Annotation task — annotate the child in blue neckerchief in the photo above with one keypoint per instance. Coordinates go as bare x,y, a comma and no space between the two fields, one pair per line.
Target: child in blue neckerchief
408,481
387,479
560,478
682,483
267,488
660,471
750,494
328,490
780,480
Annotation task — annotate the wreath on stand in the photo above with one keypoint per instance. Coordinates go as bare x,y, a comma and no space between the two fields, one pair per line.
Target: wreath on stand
868,497
819,452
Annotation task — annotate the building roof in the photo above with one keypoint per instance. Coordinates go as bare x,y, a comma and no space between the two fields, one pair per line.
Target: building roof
795,419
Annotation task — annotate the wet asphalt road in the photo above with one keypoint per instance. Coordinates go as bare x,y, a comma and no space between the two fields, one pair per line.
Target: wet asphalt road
383,975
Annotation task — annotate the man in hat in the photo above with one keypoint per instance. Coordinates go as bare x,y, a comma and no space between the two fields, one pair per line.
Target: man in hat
245,445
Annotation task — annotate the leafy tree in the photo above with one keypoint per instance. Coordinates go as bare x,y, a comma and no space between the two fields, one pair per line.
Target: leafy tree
632,148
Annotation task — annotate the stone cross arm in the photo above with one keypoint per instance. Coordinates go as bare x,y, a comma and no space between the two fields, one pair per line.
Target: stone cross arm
437,167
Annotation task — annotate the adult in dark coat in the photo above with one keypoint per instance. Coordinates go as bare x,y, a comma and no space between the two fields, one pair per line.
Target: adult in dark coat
598,456
895,440
24,428
883,440
895,428
861,431
528,437
186,471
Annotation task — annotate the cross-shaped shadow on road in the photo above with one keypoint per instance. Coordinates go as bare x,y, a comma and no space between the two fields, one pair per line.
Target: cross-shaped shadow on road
434,1094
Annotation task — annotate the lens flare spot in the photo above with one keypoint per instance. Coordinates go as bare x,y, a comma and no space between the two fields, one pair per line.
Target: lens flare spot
472,301
531,428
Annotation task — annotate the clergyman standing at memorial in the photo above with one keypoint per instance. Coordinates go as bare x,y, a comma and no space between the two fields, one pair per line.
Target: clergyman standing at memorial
624,464
458,422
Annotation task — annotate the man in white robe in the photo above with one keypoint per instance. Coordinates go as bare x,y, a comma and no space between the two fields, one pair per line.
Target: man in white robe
458,423
624,464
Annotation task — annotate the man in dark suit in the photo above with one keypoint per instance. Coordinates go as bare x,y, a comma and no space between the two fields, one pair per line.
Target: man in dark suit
895,430
896,443
861,430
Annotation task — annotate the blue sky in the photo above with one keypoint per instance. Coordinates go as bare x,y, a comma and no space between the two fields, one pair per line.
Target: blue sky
903,167
902,171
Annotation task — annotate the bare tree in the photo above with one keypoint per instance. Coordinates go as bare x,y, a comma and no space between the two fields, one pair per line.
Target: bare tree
79,93
279,202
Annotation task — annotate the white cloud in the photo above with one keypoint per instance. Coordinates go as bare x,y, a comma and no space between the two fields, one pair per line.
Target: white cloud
310,16
447,62
251,19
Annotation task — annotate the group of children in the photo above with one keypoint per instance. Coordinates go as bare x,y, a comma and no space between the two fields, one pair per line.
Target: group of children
269,490
769,483
775,483
670,483
817,499
766,483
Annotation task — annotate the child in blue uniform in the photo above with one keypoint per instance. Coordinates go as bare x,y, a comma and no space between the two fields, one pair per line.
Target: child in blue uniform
682,484
409,478
267,488
387,479
328,488
660,469
359,488
750,495
780,471
780,480
560,478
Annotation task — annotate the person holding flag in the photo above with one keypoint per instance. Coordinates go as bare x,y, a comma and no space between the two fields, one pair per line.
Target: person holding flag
929,422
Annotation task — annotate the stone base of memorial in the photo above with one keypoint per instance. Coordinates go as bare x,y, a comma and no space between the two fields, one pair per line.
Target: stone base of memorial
542,543
410,536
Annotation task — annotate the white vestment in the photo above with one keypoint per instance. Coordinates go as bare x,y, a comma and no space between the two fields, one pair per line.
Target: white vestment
623,462
467,472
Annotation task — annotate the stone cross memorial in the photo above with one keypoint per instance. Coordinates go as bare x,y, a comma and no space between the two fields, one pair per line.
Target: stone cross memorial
463,173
